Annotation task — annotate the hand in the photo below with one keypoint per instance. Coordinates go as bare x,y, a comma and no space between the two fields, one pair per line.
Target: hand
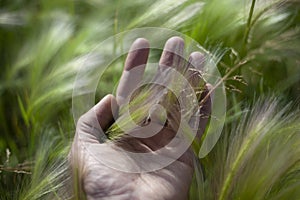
100,181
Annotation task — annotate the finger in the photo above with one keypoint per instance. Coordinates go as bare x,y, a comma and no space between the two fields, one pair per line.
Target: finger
172,53
194,85
204,111
92,125
133,70
196,60
195,67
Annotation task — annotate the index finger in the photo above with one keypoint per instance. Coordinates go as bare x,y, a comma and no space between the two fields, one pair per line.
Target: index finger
133,70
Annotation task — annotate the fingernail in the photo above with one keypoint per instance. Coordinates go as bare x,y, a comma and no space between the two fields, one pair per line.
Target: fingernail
197,60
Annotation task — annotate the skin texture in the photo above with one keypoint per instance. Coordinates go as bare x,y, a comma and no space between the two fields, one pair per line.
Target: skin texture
97,180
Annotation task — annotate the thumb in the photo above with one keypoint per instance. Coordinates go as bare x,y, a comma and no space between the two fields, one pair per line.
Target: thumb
106,110
92,125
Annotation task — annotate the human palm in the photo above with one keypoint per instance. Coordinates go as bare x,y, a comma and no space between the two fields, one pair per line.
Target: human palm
106,170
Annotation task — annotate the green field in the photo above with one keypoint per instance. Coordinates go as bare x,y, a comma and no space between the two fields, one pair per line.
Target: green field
255,43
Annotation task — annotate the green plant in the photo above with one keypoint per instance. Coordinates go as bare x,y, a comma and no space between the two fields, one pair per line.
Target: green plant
43,43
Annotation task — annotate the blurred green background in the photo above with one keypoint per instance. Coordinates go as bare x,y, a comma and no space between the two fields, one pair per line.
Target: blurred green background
43,43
